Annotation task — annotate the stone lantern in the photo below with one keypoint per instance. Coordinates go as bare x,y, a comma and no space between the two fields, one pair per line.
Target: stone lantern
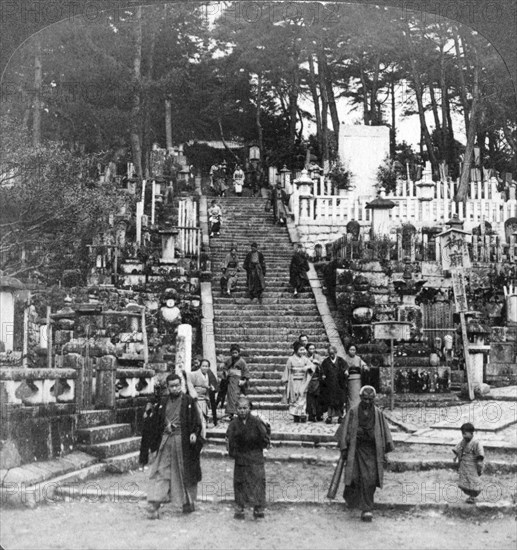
380,208
425,187
8,288
455,222
478,349
304,183
285,175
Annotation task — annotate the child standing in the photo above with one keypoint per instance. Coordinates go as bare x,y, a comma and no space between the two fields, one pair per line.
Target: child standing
470,455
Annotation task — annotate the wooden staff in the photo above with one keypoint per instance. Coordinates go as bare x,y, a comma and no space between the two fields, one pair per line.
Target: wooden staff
336,478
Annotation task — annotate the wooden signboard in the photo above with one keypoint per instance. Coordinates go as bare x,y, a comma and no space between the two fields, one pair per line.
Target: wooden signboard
455,258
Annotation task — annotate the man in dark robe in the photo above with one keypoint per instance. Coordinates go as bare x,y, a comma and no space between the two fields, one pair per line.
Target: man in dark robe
333,386
279,201
364,438
175,470
247,436
298,269
255,267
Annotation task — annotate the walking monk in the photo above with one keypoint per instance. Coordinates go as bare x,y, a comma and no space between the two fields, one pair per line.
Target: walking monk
176,471
364,438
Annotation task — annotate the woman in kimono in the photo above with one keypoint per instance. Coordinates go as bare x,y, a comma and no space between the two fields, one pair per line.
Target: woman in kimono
238,180
231,268
314,408
279,200
355,369
236,372
296,377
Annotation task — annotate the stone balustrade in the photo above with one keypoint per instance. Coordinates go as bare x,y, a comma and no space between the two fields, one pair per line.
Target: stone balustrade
134,382
24,386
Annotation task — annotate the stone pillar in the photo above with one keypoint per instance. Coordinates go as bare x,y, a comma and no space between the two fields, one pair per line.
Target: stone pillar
106,378
511,309
168,246
75,361
184,347
139,214
7,318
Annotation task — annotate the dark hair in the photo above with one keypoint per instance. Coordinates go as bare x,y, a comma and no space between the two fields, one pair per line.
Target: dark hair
351,345
172,376
302,335
297,345
467,427
234,347
309,344
205,361
254,245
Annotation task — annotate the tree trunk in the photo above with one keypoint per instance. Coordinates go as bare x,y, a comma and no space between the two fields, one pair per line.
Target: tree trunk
374,113
366,112
315,98
136,143
444,90
332,104
437,123
324,109
461,195
36,114
418,93
147,130
293,105
168,122
393,129
461,75
257,117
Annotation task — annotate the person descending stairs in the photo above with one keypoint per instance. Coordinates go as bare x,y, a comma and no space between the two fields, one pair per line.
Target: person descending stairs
265,331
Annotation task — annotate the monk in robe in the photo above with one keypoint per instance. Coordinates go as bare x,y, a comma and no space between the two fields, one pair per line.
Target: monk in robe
175,470
247,437
298,269
255,268
364,438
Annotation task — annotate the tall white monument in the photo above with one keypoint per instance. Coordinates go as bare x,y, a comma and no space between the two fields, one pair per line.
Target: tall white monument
362,149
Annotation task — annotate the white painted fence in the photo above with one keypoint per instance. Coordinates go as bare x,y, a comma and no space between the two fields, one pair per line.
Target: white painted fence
485,203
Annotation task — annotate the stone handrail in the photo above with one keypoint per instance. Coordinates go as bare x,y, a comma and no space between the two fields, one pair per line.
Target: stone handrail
25,386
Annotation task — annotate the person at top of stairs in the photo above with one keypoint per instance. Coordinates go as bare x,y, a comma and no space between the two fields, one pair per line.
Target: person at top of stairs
255,267
238,180
298,269
215,217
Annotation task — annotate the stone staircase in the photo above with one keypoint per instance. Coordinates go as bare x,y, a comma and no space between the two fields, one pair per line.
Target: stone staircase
100,436
264,331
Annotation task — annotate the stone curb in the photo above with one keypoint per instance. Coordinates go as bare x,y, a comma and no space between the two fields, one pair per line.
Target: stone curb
93,495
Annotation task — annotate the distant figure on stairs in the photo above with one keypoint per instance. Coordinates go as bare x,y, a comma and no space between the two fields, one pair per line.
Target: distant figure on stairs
238,180
355,371
279,201
298,269
236,372
231,268
214,217
255,267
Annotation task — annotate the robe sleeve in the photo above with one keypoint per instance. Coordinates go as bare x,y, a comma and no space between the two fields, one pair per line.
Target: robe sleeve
388,440
285,375
479,452
341,434
262,263
230,439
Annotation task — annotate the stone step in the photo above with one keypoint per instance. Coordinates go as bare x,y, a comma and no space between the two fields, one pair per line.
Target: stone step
264,397
87,419
122,463
222,309
271,322
259,390
102,434
272,383
266,348
112,448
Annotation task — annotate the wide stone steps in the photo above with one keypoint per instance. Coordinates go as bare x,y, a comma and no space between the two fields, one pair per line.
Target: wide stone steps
102,434
112,448
87,419
264,331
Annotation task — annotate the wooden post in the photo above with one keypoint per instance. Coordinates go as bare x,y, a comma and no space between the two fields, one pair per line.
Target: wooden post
466,353
25,351
144,338
392,376
49,338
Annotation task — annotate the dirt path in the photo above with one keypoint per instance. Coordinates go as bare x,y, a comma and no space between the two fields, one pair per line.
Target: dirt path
107,525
